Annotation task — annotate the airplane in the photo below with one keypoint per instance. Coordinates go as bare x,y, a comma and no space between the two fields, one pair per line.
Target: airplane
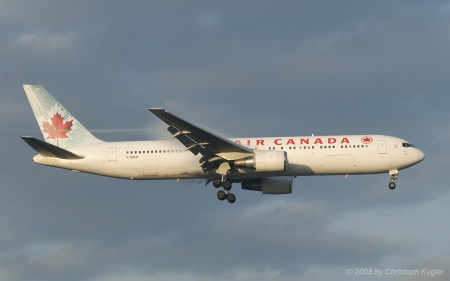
264,164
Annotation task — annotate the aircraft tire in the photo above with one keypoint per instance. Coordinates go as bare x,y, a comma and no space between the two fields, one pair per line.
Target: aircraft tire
231,198
221,195
226,185
217,183
392,185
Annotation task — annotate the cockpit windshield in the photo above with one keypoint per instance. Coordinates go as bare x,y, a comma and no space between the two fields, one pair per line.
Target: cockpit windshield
405,144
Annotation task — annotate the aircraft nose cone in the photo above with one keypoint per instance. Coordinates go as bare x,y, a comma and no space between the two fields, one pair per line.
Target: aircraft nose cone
420,155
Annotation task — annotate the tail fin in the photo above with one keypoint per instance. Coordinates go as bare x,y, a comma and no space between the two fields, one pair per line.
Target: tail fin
58,126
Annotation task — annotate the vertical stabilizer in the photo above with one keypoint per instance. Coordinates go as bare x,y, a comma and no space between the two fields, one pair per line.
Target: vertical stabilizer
57,125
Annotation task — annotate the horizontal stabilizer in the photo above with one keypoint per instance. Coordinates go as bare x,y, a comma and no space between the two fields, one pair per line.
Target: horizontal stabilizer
50,150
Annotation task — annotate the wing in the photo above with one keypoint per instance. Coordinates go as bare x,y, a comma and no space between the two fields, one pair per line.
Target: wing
211,146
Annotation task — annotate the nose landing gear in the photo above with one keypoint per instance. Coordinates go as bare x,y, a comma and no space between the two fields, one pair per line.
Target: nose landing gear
394,176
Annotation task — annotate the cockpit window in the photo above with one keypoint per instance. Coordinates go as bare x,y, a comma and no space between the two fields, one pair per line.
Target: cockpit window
405,144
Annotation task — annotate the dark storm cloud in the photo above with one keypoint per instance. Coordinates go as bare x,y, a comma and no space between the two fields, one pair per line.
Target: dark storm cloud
253,68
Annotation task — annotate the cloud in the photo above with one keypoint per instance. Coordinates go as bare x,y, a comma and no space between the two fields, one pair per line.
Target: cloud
432,268
44,42
48,261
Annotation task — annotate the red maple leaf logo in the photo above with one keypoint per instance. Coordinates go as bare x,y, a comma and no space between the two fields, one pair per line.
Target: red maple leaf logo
367,140
57,129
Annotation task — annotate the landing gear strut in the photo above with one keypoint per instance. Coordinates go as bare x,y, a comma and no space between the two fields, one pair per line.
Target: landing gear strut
221,194
394,176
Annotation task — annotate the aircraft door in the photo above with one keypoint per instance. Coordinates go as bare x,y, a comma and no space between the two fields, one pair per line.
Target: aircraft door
382,147
112,154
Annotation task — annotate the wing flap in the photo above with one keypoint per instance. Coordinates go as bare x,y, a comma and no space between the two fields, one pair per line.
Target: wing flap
50,150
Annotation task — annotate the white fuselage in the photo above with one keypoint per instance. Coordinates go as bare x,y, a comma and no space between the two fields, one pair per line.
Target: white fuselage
311,155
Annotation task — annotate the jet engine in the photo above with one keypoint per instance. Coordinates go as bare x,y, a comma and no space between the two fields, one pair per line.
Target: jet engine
265,161
273,185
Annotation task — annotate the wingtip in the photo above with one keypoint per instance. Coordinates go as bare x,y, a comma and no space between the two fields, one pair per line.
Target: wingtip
31,84
156,109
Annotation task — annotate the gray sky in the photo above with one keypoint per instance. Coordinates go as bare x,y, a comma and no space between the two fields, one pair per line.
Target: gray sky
240,69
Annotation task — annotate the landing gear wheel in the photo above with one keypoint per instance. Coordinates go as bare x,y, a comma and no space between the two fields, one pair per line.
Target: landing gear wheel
392,185
216,183
231,198
221,195
226,185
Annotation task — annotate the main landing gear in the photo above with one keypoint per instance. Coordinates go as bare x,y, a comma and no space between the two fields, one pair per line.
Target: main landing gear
394,176
221,194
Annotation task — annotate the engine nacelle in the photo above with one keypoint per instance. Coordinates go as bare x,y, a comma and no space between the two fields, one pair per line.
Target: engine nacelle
265,161
274,185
